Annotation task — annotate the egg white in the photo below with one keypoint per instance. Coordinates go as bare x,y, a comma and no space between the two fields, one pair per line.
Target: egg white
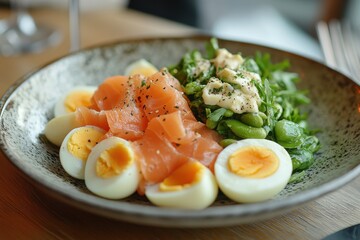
73,165
115,187
243,189
197,196
57,128
60,108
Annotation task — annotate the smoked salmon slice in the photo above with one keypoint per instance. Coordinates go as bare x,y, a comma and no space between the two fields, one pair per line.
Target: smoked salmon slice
157,157
172,127
155,115
168,142
87,116
116,98
116,92
161,95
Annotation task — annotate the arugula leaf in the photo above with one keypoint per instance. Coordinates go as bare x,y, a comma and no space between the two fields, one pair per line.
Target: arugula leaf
297,177
211,48
251,66
214,117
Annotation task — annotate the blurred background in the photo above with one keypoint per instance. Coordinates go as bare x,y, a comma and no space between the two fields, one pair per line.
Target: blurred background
284,24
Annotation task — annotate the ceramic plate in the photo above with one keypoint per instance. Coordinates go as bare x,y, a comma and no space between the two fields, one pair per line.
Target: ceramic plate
28,105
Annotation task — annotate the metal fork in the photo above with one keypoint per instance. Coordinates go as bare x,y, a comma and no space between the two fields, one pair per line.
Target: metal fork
341,47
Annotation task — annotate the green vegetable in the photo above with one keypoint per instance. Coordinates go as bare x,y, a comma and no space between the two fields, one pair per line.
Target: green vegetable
213,118
278,118
227,141
252,119
288,134
301,159
297,177
268,105
193,88
245,131
311,144
228,113
251,66
211,48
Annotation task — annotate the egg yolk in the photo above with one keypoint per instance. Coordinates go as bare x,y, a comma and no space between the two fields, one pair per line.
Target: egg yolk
185,176
82,141
253,162
77,99
114,161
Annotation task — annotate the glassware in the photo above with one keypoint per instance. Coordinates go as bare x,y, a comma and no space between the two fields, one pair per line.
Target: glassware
74,25
21,34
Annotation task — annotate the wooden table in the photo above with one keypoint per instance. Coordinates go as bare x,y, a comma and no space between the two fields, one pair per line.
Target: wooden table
26,213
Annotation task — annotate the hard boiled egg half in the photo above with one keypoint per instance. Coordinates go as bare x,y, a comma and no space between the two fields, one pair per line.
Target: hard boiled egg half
78,96
140,66
76,147
111,170
253,170
57,128
191,186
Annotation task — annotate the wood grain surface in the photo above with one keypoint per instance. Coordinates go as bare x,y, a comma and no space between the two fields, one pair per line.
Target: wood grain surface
26,213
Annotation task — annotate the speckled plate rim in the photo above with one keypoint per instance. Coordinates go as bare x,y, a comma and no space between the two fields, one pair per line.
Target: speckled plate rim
214,216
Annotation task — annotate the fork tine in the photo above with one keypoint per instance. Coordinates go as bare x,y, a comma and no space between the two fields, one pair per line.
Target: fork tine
351,51
338,44
326,44
348,51
356,42
341,47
